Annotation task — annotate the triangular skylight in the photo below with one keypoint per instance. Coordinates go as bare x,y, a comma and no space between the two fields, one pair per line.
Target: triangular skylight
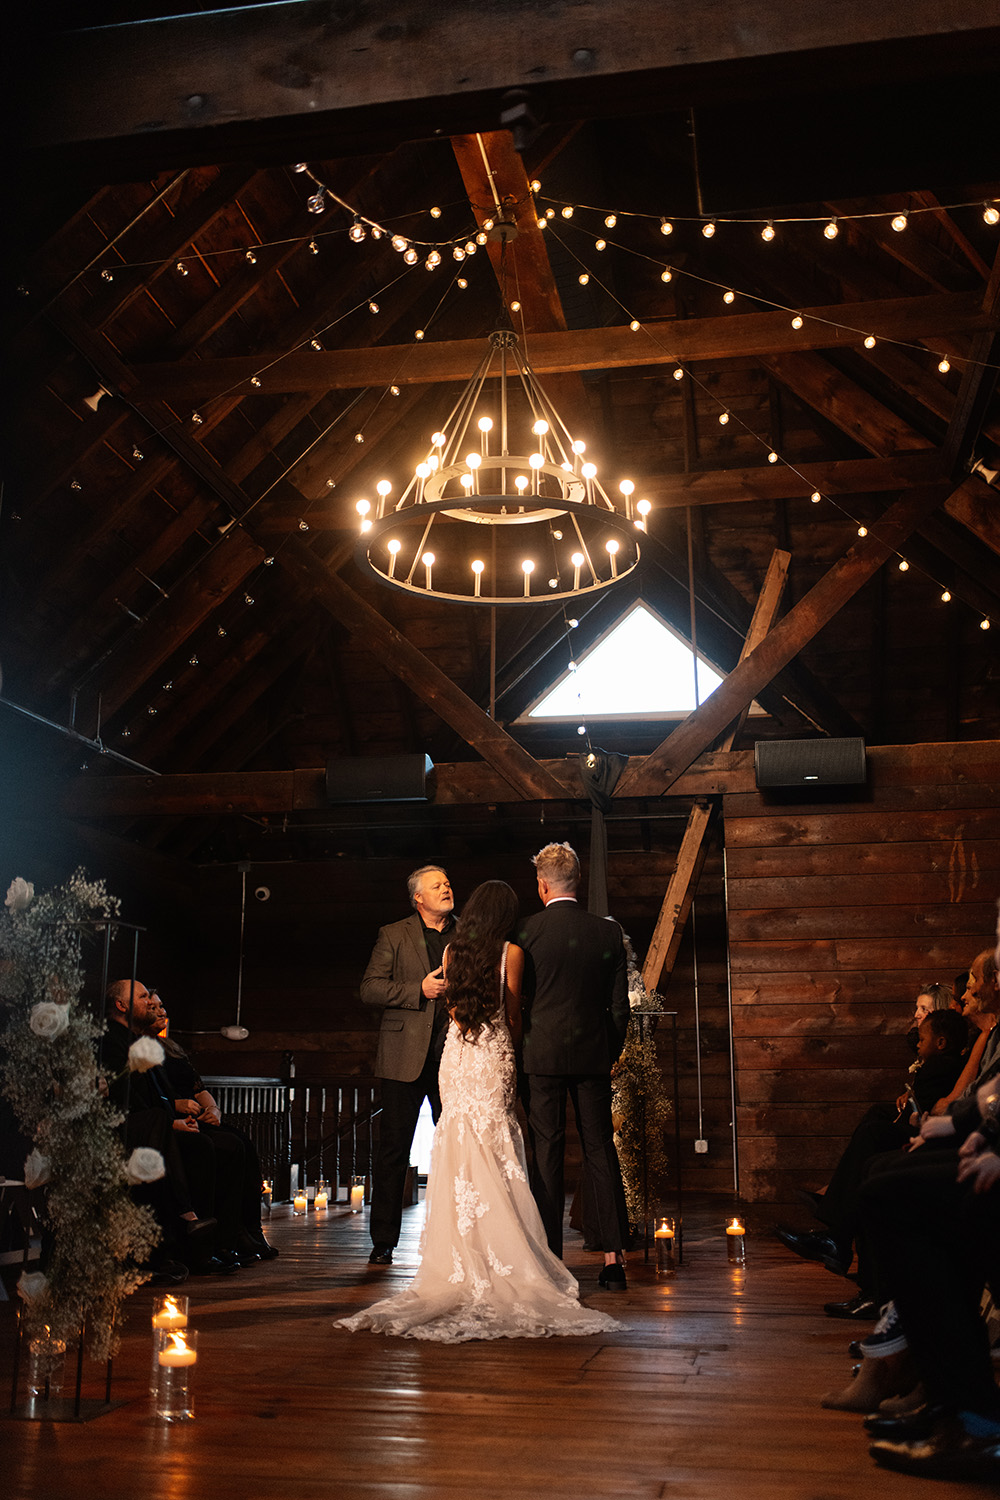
640,668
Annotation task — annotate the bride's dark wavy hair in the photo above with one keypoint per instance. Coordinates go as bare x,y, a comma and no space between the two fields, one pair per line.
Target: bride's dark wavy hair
486,923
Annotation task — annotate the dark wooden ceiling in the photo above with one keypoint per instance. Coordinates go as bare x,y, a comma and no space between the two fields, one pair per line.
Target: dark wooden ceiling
177,560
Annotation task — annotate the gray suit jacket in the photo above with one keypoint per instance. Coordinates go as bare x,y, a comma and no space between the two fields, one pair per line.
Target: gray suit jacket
392,983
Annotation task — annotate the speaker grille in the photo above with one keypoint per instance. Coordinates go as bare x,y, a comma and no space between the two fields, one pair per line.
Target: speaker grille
808,763
373,778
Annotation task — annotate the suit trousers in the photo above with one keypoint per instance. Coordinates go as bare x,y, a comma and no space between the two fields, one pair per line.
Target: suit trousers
937,1243
591,1096
401,1105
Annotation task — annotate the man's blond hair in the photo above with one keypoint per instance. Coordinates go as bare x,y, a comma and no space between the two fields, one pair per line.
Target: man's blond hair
558,866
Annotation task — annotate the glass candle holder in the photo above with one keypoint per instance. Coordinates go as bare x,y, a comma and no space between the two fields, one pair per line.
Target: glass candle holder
357,1194
300,1202
665,1240
266,1194
176,1357
322,1198
46,1362
736,1242
170,1311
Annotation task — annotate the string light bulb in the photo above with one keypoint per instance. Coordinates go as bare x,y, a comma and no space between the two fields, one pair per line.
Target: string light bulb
583,278
899,223
723,418
767,233
182,269
666,274
708,229
862,531
316,203
357,231
433,260
410,256
772,457
435,212
567,212
946,596
610,221
313,248
815,497
398,242
904,566
984,623
373,307
991,214
832,230
870,341
944,366
797,321
729,297
678,373
600,244
634,325
666,227
535,185
251,258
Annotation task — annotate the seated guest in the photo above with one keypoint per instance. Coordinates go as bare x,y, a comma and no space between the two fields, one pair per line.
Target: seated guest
193,1101
883,1128
202,1175
979,1008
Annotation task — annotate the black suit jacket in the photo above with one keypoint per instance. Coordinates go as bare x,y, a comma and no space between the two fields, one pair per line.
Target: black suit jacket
575,991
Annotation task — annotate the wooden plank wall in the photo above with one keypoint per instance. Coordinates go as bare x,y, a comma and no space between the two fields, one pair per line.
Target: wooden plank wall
839,908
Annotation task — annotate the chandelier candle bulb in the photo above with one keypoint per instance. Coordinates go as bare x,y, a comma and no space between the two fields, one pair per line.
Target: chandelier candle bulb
176,1357
300,1202
357,1194
736,1242
665,1239
527,568
428,562
477,569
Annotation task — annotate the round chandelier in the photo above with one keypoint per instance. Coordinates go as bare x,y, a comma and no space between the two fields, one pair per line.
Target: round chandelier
479,524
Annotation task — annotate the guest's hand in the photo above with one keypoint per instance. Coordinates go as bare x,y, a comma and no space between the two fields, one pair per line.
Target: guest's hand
210,1115
433,985
187,1106
186,1123
972,1145
937,1127
983,1171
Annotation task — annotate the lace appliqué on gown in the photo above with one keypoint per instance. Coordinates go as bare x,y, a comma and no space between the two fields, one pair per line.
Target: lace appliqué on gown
485,1270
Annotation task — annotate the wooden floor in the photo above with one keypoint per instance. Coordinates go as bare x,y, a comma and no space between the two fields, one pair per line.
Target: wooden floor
710,1391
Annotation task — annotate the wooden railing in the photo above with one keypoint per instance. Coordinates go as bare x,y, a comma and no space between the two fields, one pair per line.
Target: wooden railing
304,1128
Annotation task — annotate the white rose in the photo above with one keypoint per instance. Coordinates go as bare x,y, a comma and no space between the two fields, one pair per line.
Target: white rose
48,1020
144,1165
37,1170
32,1286
20,894
144,1053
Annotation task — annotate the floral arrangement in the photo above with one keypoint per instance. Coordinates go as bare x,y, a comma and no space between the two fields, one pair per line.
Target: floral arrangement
639,1103
96,1239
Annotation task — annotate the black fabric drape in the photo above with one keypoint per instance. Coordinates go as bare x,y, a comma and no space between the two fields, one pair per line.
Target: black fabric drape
600,771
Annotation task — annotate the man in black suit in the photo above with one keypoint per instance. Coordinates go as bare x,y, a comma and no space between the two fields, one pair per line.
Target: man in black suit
576,1016
404,980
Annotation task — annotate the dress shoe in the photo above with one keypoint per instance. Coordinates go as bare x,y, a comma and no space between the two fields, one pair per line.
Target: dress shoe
957,1447
612,1278
265,1250
861,1308
811,1244
199,1231
213,1265
168,1273
906,1428
812,1201
381,1255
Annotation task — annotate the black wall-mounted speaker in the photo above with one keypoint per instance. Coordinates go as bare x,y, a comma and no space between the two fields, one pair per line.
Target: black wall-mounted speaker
806,763
378,778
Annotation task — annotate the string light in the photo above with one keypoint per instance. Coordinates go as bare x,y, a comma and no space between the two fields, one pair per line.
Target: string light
255,380
984,623
600,244
678,373
723,418
904,566
357,231
666,227
708,229
313,248
870,341
729,296
418,334
944,366
567,212
583,278
635,325
862,531
373,307
610,221
435,213
410,256
899,223
797,321
535,185
767,233
316,203
946,596
831,231
816,497
432,260
251,258
991,214
196,419
772,457
181,268
666,274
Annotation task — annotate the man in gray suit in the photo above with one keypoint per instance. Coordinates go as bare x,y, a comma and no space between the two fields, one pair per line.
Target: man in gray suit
404,980
576,1016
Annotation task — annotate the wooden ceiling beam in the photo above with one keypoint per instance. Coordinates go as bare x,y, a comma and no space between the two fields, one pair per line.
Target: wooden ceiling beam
979,378
852,476
464,783
790,636
285,70
841,401
905,319
426,679
975,504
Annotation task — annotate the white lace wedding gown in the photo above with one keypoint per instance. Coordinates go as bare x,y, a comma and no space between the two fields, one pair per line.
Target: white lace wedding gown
485,1270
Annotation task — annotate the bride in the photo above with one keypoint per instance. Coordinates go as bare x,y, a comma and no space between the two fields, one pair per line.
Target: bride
485,1269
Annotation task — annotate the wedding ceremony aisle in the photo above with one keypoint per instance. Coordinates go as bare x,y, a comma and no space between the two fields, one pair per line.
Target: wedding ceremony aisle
710,1390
